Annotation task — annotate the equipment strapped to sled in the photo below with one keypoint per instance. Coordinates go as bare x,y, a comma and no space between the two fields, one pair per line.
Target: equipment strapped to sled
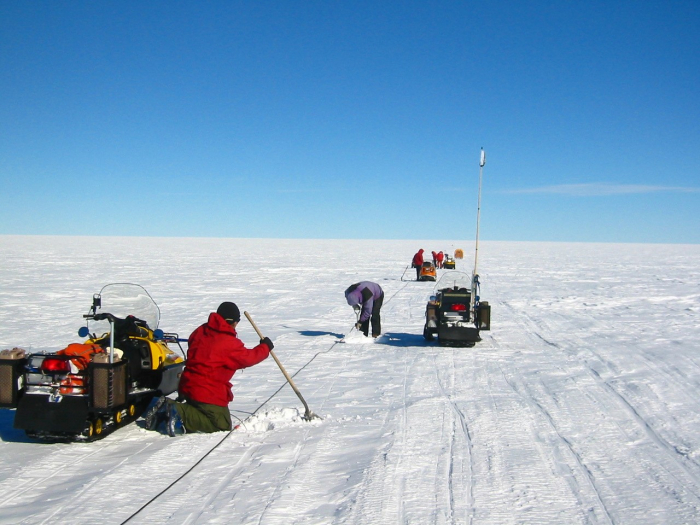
83,353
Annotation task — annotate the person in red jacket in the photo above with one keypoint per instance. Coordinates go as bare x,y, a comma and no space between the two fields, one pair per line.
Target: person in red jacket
440,258
214,355
418,262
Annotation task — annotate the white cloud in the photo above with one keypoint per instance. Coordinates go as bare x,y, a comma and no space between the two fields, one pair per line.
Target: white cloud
603,189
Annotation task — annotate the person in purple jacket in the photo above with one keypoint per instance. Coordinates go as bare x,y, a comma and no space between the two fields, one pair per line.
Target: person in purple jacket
369,297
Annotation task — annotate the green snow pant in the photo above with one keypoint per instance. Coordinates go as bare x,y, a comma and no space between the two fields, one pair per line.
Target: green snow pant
203,417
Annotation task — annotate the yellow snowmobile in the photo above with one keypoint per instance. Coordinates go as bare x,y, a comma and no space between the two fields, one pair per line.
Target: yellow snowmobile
86,390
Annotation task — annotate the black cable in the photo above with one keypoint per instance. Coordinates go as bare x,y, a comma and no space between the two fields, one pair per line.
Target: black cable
177,480
242,422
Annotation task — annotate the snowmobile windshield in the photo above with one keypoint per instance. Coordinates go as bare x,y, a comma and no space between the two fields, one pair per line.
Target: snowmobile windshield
122,300
450,279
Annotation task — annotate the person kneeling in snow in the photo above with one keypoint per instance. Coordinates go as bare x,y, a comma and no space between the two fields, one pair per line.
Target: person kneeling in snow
214,355
371,297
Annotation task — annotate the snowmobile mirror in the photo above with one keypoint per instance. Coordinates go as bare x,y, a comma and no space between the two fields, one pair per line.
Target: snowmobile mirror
84,331
158,334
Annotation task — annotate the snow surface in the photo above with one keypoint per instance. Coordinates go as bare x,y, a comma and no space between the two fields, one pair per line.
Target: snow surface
580,406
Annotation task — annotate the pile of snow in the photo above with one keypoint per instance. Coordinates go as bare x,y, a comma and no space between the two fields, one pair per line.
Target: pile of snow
358,338
275,419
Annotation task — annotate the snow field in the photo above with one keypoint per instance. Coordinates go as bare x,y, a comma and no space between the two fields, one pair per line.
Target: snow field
579,407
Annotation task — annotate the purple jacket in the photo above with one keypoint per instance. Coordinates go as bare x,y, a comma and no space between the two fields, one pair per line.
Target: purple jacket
364,293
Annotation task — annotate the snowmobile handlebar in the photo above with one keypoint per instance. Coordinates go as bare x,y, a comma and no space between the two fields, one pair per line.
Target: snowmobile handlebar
129,322
102,317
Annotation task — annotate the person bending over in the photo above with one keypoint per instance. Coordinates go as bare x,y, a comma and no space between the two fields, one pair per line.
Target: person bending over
369,297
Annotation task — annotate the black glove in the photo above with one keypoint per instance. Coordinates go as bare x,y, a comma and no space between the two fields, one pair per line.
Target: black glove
358,325
266,341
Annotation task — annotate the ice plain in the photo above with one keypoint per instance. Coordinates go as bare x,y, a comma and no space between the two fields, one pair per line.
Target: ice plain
581,405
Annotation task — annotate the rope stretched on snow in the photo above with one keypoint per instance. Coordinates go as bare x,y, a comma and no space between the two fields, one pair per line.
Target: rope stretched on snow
314,357
295,373
242,423
309,362
177,480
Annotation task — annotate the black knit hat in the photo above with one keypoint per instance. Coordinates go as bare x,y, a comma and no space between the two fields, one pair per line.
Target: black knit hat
229,311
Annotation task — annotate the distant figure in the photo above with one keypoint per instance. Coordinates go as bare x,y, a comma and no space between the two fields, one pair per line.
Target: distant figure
418,263
214,354
434,258
440,257
370,297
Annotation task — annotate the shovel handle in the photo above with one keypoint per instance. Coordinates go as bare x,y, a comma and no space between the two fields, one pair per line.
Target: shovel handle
257,330
308,413
255,327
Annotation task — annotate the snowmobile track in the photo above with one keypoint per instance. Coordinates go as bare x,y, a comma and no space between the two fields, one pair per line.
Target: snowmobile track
530,398
464,427
685,474
578,348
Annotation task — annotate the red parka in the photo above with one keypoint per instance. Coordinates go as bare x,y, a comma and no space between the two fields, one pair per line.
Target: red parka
418,259
213,356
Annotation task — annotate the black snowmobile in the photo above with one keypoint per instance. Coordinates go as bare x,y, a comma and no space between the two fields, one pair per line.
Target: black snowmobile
454,314
86,390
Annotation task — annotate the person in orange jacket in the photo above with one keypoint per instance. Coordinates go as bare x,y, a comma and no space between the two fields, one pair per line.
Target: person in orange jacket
214,355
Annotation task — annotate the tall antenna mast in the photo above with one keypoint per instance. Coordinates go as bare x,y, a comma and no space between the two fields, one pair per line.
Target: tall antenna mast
475,274
482,161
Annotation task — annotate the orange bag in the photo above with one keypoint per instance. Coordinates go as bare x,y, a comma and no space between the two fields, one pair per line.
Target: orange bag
72,384
82,352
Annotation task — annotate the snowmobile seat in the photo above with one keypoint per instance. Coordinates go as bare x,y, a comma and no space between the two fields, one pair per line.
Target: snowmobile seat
132,326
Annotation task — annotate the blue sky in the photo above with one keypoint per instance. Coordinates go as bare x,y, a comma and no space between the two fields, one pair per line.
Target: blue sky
334,119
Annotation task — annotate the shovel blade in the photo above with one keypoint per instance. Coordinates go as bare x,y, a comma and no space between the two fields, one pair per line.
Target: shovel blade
308,416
